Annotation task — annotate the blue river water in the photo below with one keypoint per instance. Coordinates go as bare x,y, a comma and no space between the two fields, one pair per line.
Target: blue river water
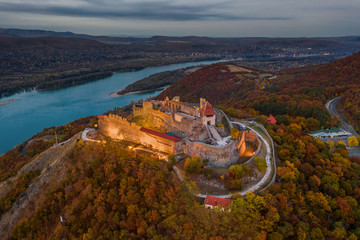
33,111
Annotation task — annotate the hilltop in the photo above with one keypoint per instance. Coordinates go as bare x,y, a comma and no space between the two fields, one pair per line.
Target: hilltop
108,191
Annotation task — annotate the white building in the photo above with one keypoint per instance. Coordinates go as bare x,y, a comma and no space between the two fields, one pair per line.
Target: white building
330,133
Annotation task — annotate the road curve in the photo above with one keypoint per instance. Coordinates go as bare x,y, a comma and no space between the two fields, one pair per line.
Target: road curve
268,158
331,107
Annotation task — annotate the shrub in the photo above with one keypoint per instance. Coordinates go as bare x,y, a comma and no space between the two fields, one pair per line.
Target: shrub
238,171
234,133
260,164
208,172
193,165
330,143
353,141
341,144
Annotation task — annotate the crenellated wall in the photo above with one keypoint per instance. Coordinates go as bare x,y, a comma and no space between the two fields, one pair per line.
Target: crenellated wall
182,126
117,127
170,116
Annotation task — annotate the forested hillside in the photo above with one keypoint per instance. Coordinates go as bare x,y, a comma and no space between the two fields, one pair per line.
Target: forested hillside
115,193
296,92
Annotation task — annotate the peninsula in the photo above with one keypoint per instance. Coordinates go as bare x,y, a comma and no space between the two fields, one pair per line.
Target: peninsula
3,103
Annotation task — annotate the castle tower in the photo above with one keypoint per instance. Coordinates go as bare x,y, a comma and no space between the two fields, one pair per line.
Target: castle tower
208,114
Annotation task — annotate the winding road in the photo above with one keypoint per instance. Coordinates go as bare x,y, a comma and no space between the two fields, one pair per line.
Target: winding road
268,178
331,107
270,173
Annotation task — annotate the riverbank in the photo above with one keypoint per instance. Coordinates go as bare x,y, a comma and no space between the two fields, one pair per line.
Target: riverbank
53,79
116,93
3,103
155,82
40,109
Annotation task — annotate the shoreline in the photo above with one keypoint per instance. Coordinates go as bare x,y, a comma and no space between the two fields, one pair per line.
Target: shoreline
186,71
100,72
3,103
116,94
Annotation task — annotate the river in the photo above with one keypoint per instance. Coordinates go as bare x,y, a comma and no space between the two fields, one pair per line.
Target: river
33,111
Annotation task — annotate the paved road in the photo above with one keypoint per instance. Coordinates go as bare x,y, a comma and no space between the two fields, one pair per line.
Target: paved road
84,135
330,105
270,162
354,152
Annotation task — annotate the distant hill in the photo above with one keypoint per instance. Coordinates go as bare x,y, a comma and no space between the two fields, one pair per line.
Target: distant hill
329,42
299,91
39,33
12,32
217,83
8,43
342,72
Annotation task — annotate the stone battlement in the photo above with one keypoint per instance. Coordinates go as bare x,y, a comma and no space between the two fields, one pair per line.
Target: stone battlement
153,119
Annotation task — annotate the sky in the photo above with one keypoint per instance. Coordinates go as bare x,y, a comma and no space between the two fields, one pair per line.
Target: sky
215,18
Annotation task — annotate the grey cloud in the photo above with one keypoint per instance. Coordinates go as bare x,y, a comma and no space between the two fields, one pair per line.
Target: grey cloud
149,11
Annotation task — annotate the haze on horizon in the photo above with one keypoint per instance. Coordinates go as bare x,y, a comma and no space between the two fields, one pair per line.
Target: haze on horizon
216,18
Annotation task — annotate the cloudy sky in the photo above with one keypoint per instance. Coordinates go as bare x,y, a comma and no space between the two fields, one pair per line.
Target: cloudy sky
231,18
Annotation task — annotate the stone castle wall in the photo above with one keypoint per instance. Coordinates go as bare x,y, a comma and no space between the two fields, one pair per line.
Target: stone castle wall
242,144
179,106
155,119
117,127
250,136
218,156
188,127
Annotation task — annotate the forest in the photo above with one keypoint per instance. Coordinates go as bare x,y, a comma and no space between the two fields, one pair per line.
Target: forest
115,193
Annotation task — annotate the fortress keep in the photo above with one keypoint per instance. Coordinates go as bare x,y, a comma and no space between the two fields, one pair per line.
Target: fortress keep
175,127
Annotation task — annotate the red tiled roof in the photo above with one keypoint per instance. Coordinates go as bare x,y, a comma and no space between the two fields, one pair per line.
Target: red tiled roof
271,120
159,134
217,201
207,110
101,116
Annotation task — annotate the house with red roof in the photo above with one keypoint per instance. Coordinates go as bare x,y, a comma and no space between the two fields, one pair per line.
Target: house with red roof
212,202
271,119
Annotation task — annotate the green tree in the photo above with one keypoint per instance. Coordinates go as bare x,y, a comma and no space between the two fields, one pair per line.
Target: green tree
353,141
330,143
239,171
341,144
193,165
260,163
235,133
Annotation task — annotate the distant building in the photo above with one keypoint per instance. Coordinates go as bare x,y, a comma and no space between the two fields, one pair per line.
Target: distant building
330,133
212,202
271,120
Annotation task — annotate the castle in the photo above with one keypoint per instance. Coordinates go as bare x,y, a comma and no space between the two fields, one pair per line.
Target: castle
175,127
